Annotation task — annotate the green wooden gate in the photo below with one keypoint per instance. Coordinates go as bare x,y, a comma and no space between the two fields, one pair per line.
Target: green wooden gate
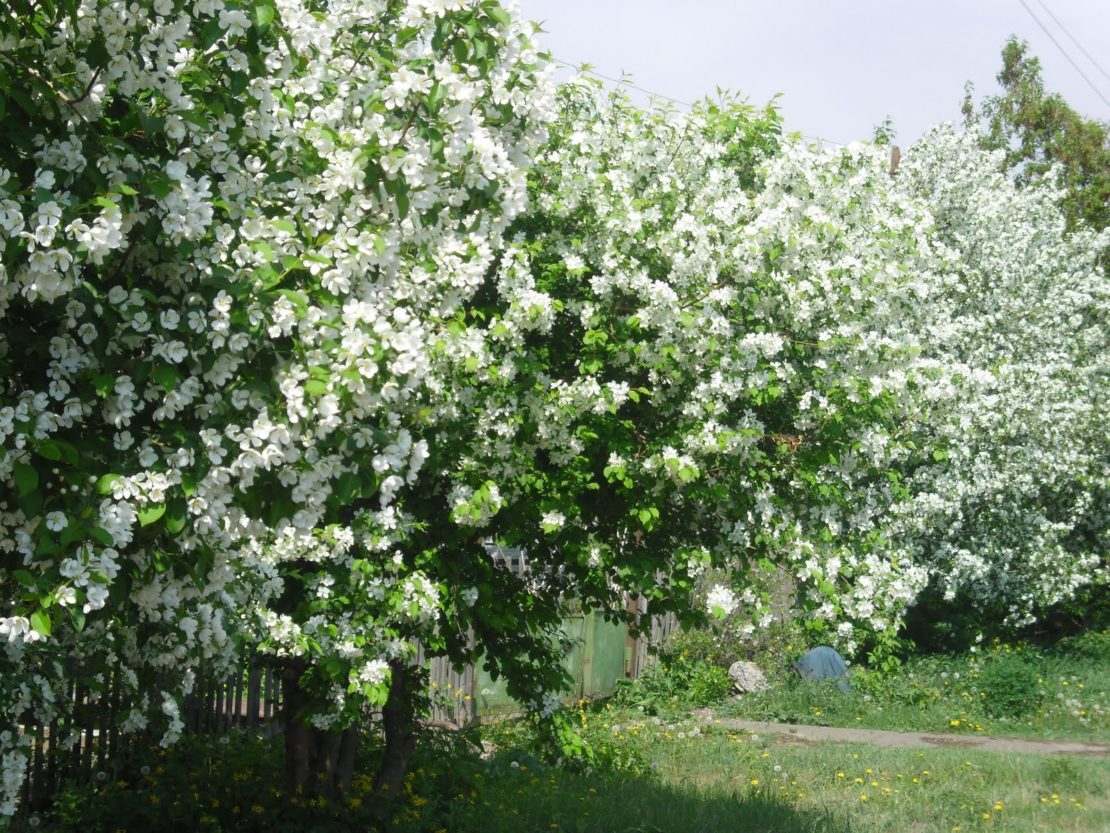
595,662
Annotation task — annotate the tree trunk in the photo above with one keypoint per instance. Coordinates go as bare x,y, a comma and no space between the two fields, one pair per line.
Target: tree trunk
317,762
397,725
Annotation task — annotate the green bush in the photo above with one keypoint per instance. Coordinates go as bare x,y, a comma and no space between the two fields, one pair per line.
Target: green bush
674,684
773,648
711,644
709,684
1011,685
1090,645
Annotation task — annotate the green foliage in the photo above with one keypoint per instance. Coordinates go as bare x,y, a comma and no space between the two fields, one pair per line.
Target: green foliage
655,691
673,684
204,784
559,740
709,684
709,644
935,624
773,647
1011,685
1038,129
1089,645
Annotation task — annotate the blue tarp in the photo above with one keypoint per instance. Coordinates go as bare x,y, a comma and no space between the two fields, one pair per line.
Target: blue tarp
824,663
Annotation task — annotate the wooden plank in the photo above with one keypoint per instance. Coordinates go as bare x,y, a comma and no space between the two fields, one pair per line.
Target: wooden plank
267,693
102,710
74,730
254,696
52,751
112,739
209,698
219,724
36,787
236,709
86,742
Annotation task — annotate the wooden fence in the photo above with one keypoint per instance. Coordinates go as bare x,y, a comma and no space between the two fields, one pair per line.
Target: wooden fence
83,745
79,747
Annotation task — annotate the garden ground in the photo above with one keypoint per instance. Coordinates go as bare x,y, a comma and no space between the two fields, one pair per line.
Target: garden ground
653,776
652,760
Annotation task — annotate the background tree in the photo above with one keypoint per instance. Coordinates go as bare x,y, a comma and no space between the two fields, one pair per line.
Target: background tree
1010,517
1038,129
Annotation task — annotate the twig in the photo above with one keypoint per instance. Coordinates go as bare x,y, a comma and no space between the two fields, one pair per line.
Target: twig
71,103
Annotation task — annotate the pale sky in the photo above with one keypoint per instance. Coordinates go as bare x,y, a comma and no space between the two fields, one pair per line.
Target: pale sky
841,66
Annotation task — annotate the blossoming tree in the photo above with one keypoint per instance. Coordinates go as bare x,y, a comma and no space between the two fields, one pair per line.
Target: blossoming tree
232,235
304,303
1011,515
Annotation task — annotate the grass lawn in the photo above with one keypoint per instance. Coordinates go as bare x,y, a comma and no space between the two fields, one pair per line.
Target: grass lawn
652,776
1068,697
704,778
885,790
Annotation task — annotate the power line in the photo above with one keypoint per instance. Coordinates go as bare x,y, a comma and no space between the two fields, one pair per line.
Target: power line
584,69
1098,92
1073,40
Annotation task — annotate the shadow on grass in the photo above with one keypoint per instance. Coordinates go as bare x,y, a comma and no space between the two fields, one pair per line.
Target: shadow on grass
524,799
232,785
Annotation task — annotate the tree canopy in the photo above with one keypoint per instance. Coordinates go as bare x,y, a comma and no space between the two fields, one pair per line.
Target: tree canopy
1041,135
306,303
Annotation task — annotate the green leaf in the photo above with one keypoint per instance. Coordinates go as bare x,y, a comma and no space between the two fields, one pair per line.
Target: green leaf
346,487
102,536
316,387
211,33
50,450
264,249
166,376
40,621
97,54
24,578
940,454
499,14
263,14
26,478
175,515
106,483
158,184
150,514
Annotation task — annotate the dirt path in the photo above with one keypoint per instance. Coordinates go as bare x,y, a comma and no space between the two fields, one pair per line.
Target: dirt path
904,740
